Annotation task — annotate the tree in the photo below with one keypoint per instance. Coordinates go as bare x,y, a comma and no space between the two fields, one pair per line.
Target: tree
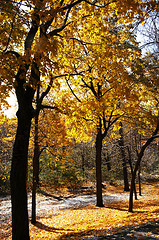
102,94
33,30
37,151
148,76
137,164
121,144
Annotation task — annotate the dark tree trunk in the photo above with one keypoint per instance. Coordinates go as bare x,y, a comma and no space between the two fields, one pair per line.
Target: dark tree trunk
36,154
35,170
20,223
135,192
18,178
133,187
83,161
98,166
131,193
131,167
121,144
107,160
125,174
139,179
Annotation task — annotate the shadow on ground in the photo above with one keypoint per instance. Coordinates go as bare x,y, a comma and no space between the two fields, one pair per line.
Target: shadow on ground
49,229
146,231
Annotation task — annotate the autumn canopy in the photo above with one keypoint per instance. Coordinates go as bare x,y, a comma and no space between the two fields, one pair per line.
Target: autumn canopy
83,56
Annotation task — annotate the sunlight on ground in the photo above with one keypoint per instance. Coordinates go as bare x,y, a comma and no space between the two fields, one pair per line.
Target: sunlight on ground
91,221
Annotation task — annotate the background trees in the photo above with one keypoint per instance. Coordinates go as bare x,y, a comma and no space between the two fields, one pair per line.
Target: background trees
39,34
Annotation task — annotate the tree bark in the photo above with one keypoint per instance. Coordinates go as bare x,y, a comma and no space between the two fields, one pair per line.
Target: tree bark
139,179
131,167
36,154
20,223
98,166
133,187
83,164
121,144
18,177
131,193
107,160
35,170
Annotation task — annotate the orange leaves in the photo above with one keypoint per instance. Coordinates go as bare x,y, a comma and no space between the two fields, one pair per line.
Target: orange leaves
91,221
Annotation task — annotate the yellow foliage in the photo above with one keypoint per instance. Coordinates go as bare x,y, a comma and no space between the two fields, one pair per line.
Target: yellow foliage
94,221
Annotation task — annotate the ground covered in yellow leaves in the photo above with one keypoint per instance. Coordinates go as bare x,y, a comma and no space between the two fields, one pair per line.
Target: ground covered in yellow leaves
90,221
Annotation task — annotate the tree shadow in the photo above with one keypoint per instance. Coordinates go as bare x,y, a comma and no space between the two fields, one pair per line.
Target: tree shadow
48,228
50,195
144,231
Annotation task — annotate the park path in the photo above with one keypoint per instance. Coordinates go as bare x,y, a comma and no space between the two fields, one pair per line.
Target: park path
47,202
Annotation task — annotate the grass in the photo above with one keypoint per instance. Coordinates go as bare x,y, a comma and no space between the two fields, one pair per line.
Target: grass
92,221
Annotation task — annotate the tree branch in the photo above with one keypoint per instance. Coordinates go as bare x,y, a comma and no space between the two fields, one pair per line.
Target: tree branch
14,53
72,90
55,31
33,30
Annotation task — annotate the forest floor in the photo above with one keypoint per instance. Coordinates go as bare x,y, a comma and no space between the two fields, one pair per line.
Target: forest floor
73,215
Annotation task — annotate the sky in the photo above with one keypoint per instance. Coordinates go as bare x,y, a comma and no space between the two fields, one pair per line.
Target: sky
11,111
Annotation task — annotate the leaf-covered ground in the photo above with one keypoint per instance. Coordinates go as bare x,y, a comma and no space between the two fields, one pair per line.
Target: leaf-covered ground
110,222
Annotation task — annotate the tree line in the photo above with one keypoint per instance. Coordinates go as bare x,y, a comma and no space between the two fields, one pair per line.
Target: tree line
80,60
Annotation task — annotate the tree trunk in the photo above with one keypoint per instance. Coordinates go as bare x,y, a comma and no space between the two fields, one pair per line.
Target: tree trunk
131,193
107,160
35,170
83,164
20,223
36,154
98,167
131,167
125,174
139,179
137,165
121,144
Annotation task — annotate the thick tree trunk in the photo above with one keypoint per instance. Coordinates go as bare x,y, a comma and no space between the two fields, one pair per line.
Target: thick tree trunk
121,144
98,167
20,223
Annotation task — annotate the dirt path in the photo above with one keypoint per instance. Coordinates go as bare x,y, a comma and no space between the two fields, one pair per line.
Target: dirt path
117,225
47,203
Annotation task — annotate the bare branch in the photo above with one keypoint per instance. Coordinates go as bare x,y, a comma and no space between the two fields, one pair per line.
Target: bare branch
97,5
72,90
55,31
14,53
33,30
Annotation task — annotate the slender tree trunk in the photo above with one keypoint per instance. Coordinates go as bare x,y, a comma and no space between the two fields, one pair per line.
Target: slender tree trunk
36,156
135,192
125,174
131,194
98,167
121,144
137,165
35,170
133,188
20,223
83,168
131,167
107,160
139,179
